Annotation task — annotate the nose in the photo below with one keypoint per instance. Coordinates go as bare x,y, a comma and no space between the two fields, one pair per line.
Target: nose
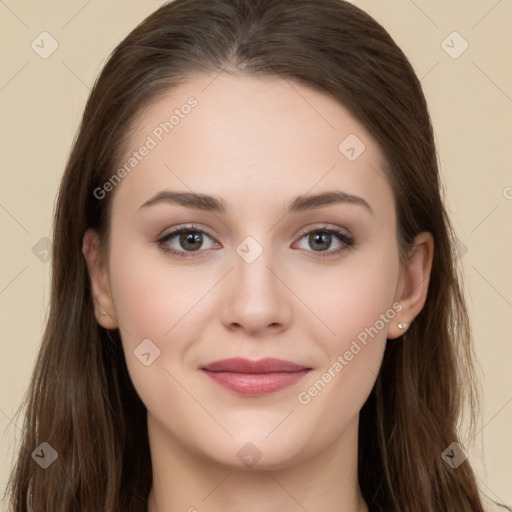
255,299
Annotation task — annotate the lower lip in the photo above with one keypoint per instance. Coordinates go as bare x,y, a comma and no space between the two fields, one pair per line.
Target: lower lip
256,384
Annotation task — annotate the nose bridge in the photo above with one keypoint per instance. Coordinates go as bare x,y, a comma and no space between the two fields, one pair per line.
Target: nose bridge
252,265
257,297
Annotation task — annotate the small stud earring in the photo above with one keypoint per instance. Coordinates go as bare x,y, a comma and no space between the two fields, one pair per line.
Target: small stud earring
402,325
104,313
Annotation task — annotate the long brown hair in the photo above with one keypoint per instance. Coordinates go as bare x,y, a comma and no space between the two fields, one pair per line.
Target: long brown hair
81,400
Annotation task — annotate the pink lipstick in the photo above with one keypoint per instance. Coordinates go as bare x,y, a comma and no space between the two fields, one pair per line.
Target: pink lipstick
255,378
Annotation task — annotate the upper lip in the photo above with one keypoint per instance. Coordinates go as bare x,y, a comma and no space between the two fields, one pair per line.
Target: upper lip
241,365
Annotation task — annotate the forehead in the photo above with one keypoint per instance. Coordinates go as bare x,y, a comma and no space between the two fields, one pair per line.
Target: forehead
250,139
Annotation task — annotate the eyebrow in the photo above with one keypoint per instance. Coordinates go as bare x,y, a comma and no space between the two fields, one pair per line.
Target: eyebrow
215,204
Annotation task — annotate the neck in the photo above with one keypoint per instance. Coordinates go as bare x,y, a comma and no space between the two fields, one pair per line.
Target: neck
183,481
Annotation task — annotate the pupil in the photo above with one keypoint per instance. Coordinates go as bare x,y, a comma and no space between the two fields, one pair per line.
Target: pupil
188,239
323,239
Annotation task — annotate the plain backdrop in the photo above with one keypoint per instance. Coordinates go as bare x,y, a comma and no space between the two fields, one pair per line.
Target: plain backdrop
467,81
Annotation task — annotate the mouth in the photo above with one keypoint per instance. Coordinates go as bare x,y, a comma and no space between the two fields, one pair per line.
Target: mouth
255,378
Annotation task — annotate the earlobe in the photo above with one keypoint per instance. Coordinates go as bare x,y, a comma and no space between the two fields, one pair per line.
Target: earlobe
98,277
414,283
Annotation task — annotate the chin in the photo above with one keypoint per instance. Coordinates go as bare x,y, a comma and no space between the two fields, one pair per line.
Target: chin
257,453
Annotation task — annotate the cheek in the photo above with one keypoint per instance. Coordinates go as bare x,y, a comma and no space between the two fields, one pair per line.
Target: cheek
354,297
160,301
150,295
356,306
153,301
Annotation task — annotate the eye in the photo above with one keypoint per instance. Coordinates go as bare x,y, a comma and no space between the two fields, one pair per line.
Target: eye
189,241
321,239
185,240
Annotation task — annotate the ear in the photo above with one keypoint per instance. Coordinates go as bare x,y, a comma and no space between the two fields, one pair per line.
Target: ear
413,284
98,276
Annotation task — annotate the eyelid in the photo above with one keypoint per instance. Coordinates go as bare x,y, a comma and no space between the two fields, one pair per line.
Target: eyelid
322,227
184,227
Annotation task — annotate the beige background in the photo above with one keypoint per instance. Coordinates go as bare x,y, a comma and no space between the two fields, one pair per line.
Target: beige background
470,98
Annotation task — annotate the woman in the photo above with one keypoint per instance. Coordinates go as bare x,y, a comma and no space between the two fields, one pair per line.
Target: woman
255,304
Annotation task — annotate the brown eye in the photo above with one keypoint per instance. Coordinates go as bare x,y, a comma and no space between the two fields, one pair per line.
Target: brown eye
186,240
191,240
320,240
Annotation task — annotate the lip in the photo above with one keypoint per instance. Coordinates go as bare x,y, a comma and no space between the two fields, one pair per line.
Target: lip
255,378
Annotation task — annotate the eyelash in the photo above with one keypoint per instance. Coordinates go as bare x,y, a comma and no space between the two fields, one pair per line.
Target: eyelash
348,241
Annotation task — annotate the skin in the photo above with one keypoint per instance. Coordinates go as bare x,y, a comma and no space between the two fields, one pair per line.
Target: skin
257,144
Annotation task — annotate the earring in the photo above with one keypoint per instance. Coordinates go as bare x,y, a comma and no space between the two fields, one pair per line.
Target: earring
402,325
104,313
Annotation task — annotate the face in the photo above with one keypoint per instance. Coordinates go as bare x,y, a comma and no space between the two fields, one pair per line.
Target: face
260,269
